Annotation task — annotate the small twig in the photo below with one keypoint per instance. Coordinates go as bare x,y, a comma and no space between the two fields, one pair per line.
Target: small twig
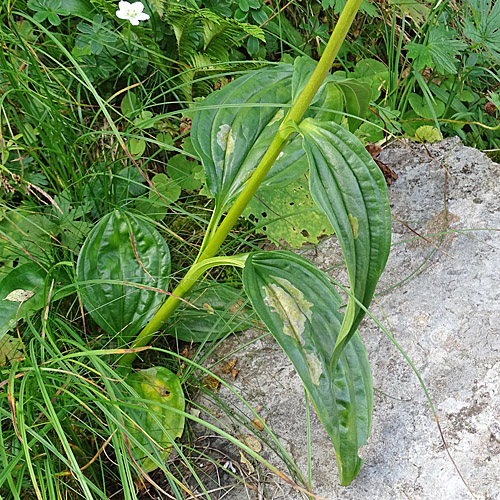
129,87
451,458
17,375
47,195
430,242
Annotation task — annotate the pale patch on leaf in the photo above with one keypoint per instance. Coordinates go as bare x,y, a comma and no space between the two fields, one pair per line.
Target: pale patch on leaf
315,368
354,225
278,116
225,139
19,295
290,304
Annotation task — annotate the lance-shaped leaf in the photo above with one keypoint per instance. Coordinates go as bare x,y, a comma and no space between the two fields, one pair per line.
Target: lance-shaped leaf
154,425
235,125
350,188
300,306
122,269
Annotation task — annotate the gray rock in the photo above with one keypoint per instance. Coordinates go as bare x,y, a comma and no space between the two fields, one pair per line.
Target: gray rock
440,297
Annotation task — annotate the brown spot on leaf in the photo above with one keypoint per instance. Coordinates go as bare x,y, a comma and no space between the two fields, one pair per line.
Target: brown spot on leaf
208,307
236,307
163,391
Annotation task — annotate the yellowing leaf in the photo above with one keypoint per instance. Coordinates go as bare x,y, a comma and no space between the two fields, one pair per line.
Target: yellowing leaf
156,425
252,442
428,133
288,214
244,460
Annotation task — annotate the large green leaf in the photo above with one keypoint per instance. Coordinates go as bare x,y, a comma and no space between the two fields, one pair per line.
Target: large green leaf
21,293
355,100
155,426
210,312
439,50
121,261
235,126
350,188
300,307
288,214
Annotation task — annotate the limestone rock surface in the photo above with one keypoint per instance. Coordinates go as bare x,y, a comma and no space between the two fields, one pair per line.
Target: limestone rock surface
440,298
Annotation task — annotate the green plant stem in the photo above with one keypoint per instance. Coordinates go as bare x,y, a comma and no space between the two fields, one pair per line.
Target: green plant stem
211,229
210,249
171,304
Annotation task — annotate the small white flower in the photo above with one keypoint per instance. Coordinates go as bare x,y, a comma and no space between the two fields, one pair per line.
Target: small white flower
132,12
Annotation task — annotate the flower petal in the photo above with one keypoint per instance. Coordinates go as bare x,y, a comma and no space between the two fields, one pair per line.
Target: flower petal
138,6
123,5
121,15
134,21
142,16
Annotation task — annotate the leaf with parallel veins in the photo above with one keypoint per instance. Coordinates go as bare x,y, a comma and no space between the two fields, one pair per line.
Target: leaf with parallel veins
349,187
300,306
122,264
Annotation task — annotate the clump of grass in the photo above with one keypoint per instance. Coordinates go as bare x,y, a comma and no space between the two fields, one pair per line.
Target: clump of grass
63,404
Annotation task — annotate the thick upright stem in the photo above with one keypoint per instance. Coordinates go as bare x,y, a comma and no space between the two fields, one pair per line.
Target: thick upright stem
295,114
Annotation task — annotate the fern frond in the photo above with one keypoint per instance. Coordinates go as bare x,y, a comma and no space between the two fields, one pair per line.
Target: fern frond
204,40
218,38
188,30
191,82
204,30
